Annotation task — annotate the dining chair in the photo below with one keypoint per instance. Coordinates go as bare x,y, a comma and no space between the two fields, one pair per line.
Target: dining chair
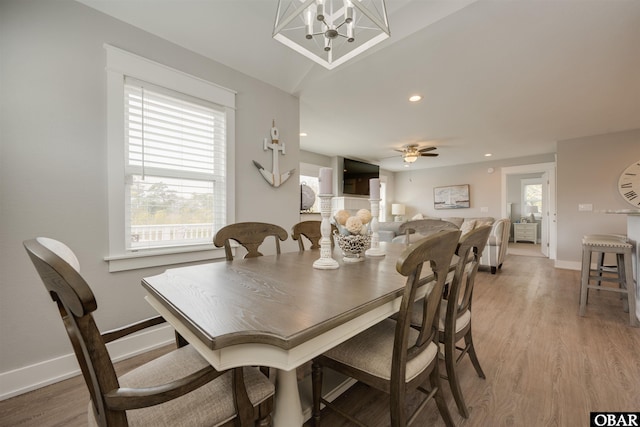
417,229
250,235
311,231
455,312
391,356
179,388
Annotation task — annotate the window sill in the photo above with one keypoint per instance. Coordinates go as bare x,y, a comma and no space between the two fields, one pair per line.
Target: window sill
158,257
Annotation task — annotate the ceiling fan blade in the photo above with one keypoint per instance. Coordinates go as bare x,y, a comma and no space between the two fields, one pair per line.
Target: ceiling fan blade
423,150
429,154
399,151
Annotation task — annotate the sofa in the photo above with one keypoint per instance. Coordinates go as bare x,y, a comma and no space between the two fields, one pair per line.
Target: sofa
493,254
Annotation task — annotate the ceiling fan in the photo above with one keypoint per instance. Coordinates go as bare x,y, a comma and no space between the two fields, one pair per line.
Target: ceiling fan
411,152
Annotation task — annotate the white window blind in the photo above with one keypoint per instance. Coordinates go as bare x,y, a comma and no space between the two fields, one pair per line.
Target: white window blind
175,167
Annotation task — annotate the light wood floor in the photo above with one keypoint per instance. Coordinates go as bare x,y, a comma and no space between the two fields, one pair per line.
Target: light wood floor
545,365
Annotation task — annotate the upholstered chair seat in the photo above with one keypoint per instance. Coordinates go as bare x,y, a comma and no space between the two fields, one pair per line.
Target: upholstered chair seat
209,405
178,389
461,322
393,356
371,351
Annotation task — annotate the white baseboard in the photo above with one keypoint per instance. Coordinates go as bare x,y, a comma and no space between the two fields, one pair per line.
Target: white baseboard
28,378
568,265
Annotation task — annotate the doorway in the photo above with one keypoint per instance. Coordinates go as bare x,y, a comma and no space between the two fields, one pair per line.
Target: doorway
548,228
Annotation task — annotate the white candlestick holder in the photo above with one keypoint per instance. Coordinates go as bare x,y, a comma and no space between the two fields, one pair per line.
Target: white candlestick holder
326,261
375,249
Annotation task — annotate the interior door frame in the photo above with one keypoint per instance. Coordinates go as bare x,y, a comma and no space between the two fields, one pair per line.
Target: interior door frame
550,214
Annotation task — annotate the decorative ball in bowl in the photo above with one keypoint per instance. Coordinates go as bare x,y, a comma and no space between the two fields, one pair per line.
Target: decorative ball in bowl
353,245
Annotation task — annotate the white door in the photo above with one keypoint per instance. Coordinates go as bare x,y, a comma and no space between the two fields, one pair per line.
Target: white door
544,227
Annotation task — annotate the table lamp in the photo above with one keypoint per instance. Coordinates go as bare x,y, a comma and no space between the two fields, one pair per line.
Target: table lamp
532,210
398,210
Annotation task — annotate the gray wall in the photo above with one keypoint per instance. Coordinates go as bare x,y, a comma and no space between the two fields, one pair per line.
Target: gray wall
588,171
53,163
414,188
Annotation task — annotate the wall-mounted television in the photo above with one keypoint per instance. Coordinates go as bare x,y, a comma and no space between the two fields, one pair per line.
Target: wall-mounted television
356,176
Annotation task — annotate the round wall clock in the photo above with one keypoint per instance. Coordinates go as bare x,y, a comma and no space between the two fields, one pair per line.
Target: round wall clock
307,197
629,184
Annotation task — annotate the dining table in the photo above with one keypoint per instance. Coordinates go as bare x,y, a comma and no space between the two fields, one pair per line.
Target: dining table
277,311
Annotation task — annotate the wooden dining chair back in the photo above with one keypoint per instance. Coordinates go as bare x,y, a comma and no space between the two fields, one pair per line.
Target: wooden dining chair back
311,230
421,228
250,235
391,356
179,388
455,313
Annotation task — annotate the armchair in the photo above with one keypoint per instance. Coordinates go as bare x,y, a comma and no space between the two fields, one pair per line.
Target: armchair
496,249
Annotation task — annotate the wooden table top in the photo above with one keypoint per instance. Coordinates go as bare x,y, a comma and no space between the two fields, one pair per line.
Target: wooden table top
280,300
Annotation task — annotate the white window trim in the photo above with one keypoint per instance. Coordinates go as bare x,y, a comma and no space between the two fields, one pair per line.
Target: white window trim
121,63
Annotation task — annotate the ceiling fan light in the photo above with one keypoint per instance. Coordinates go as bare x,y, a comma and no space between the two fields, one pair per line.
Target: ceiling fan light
410,157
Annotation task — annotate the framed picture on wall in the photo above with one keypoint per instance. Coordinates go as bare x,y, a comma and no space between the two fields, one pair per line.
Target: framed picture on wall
451,197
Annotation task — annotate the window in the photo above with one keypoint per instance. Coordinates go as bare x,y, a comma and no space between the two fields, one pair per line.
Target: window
175,169
382,217
531,198
170,139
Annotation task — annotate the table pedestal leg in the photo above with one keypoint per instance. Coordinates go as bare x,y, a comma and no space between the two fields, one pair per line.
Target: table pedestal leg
288,409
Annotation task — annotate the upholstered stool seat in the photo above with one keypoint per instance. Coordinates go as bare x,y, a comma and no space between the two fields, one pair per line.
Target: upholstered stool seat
615,244
600,265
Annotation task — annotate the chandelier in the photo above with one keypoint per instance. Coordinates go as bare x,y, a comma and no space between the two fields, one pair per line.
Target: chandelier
330,32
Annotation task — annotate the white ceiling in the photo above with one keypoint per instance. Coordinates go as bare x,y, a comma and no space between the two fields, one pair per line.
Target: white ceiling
508,77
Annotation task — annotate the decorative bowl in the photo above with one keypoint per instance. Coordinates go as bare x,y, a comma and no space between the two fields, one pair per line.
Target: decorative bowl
353,245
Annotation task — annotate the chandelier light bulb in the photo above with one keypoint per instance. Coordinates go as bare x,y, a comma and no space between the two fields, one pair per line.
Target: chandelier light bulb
348,13
320,11
309,24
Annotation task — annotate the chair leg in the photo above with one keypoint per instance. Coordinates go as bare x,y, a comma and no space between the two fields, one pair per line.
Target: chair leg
584,282
625,267
452,376
468,340
397,407
316,380
599,267
434,379
265,421
493,270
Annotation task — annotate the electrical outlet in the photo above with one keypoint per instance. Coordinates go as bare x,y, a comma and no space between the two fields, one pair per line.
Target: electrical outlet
585,207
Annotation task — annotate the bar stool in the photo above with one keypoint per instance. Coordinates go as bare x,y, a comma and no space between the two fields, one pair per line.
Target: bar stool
600,267
618,245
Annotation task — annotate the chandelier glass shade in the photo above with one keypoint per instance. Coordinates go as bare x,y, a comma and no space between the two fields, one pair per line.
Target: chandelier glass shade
330,32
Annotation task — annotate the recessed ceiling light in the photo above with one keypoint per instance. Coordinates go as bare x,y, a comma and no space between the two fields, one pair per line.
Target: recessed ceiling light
415,98
488,155
303,134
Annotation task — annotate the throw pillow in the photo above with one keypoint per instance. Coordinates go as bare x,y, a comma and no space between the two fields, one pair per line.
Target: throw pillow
467,226
417,216
481,223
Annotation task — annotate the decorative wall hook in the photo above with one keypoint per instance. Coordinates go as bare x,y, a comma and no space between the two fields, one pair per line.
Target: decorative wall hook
274,178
